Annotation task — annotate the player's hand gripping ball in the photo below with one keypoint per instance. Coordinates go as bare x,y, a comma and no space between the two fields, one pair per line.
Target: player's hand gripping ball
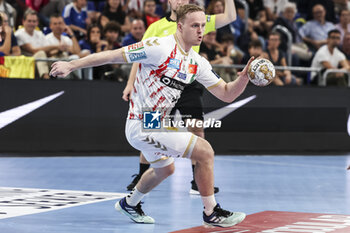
261,72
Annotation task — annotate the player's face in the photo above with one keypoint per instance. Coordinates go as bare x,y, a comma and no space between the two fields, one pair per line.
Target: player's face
174,4
193,28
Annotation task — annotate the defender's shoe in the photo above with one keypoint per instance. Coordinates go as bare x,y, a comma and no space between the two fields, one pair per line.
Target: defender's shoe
223,218
134,212
133,183
194,188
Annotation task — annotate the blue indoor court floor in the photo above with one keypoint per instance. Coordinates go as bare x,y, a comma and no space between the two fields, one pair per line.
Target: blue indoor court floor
36,191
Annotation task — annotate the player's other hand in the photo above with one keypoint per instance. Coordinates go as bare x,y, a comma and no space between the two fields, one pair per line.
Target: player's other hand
60,69
244,72
127,92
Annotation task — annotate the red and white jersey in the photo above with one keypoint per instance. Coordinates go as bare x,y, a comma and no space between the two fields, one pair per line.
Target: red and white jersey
165,69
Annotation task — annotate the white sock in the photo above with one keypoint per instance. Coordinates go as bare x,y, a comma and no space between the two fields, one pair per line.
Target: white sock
209,203
134,197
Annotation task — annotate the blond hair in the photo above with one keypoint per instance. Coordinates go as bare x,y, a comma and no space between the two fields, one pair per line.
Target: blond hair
182,11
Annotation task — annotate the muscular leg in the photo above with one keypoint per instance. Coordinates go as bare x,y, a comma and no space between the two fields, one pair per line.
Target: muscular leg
154,176
203,154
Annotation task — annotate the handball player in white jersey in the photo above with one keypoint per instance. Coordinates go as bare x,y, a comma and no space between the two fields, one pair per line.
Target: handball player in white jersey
167,65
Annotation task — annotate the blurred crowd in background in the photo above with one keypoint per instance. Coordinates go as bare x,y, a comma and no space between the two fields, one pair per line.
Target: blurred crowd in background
313,33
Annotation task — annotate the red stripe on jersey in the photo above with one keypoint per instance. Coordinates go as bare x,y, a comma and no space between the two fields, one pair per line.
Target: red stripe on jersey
159,72
160,100
131,116
132,103
155,92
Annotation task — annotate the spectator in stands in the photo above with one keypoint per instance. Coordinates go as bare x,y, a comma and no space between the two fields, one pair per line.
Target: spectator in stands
136,32
111,33
46,8
314,32
76,17
329,57
135,8
345,48
68,43
278,58
8,43
327,4
211,49
235,28
10,11
255,49
229,49
344,23
33,42
114,12
63,37
274,8
149,12
299,48
94,44
258,18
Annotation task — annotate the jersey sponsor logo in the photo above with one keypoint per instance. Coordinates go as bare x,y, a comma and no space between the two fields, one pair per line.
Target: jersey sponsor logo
151,120
137,56
173,83
182,76
192,69
215,74
135,47
174,63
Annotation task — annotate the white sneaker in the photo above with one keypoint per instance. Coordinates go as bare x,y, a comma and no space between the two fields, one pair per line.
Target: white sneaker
134,212
223,218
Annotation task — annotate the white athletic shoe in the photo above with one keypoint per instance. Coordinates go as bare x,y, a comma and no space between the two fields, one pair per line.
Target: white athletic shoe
134,212
223,218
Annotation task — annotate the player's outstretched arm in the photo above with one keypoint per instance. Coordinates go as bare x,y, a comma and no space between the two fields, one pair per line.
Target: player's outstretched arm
130,84
62,68
228,92
228,16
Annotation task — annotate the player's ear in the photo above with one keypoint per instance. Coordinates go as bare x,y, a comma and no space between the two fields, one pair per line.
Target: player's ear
179,26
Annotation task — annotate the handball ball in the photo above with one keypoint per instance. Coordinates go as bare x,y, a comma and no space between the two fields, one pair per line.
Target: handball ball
261,72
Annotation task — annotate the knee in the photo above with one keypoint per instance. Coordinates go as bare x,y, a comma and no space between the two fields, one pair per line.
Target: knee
164,172
203,152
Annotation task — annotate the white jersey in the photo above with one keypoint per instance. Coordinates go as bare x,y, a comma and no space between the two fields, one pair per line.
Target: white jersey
164,71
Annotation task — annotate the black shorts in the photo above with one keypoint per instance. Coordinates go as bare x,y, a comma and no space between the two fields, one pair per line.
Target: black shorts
190,103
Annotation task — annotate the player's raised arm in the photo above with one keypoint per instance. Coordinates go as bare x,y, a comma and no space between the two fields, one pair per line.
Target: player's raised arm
228,92
62,68
228,16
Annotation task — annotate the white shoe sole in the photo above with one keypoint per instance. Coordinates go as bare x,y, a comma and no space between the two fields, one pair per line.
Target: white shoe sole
194,192
237,221
120,209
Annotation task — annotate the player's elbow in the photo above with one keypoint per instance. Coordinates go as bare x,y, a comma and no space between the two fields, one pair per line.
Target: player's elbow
228,99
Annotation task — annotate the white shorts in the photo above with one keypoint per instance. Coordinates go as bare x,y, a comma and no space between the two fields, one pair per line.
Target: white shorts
160,148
